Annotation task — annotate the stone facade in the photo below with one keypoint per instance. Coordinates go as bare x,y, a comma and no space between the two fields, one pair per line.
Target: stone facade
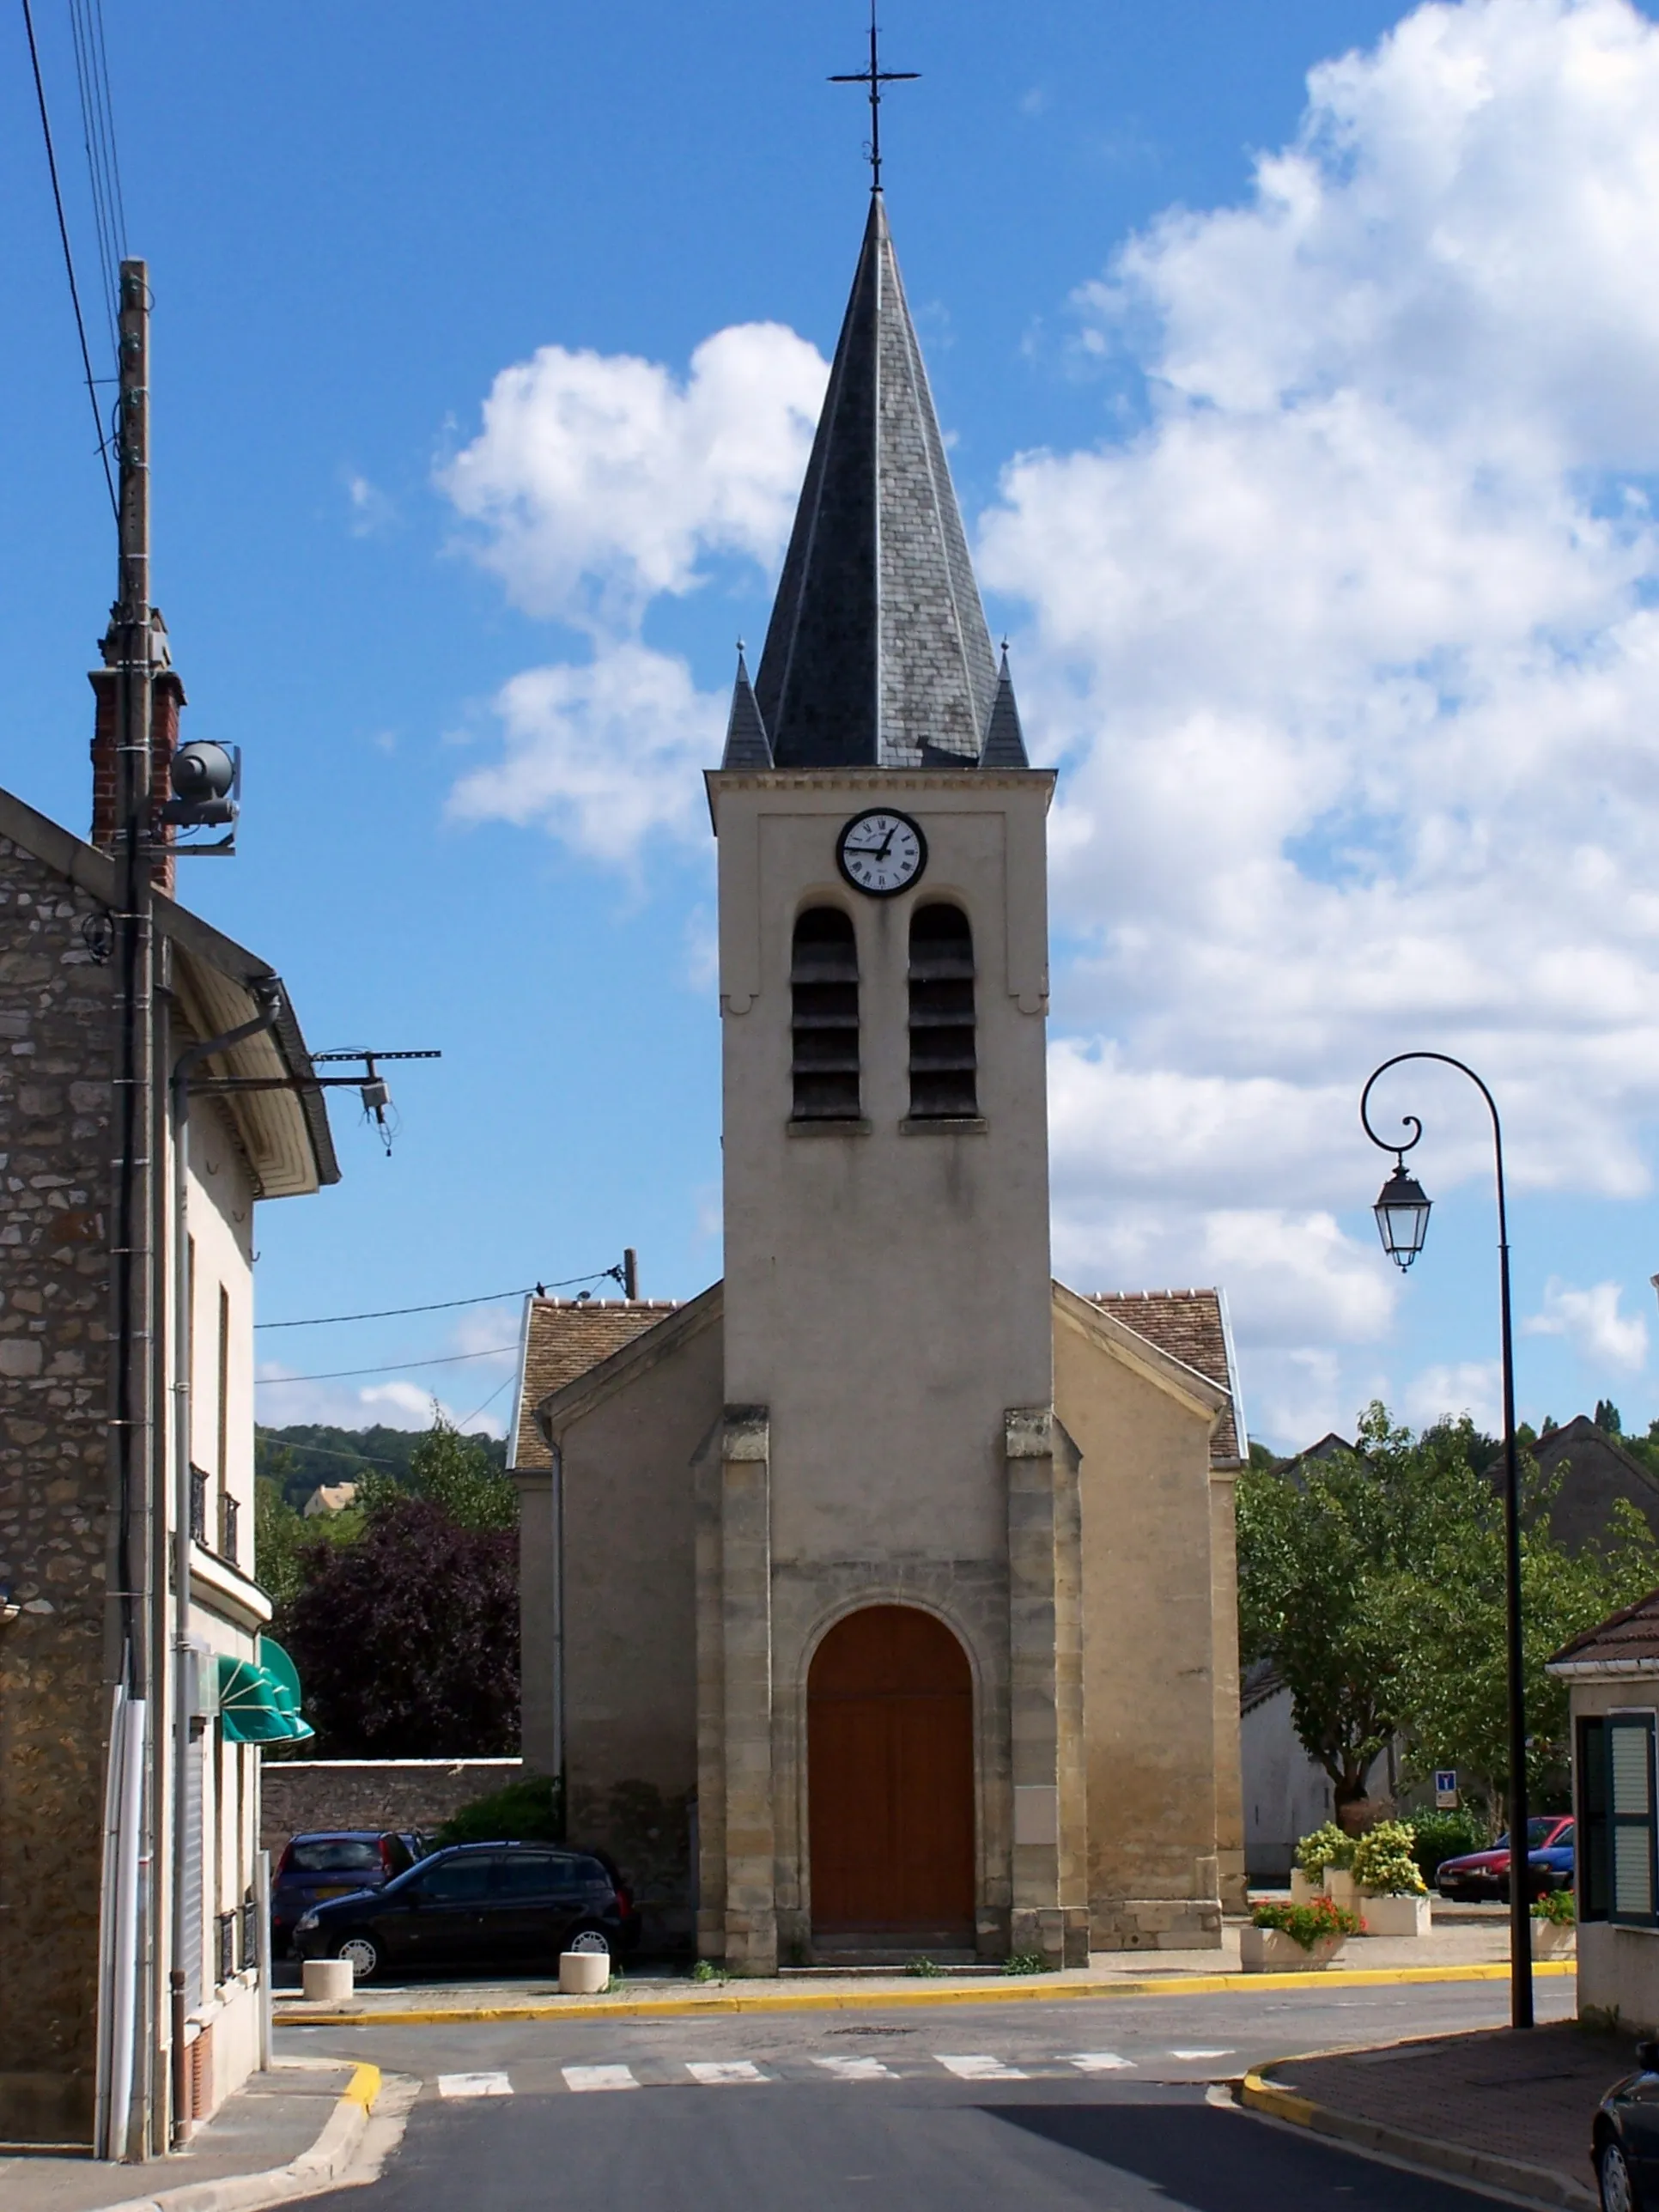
55,1521
392,1794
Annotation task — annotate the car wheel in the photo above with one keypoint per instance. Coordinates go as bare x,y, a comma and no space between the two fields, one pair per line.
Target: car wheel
1613,2172
364,1953
589,1939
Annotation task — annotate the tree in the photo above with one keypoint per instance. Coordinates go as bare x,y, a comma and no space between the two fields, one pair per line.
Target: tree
407,1640
1329,1551
457,1472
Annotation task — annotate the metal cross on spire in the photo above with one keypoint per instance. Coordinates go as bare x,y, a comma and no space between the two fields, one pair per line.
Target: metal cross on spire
875,77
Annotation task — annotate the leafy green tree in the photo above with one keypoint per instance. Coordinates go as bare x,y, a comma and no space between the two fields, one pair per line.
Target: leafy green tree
457,1473
280,1537
1329,1554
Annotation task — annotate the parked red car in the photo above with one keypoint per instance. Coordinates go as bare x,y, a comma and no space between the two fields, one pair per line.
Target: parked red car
1486,1874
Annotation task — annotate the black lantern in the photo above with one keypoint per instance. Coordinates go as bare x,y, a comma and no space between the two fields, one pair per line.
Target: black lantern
1402,1216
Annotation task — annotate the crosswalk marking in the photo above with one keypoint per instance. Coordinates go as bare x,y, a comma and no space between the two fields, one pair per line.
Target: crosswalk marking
978,2066
1098,2062
599,2077
474,2085
711,2071
1200,2054
857,2069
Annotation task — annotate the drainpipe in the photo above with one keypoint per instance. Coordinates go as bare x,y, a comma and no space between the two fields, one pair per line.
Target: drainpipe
268,991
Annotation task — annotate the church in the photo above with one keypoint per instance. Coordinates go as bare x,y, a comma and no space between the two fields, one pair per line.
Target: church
880,1601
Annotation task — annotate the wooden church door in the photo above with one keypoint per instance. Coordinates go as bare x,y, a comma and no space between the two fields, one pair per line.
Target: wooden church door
890,1727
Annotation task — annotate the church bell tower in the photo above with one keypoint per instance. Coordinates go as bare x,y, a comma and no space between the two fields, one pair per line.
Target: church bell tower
881,1505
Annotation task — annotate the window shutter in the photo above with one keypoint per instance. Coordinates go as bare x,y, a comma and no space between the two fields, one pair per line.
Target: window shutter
1630,1777
1595,1853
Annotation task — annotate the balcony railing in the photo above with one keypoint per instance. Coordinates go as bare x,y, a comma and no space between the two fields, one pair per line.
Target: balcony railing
226,1929
229,1515
198,1504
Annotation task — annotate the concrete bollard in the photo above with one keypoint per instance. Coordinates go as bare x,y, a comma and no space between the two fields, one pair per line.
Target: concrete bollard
325,1981
583,1974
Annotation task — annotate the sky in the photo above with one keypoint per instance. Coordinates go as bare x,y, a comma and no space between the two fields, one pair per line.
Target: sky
1300,368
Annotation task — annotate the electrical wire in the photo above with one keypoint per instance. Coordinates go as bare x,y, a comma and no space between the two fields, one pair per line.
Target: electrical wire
98,135
446,1305
69,258
391,1367
487,1402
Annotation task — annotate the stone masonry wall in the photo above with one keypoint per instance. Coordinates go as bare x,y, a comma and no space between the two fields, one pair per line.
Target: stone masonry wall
55,1146
395,1793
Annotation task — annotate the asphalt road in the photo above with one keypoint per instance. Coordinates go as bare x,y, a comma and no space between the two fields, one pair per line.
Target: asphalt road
1106,2103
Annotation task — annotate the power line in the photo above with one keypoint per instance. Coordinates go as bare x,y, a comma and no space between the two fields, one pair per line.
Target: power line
446,1305
391,1367
98,135
489,1402
69,258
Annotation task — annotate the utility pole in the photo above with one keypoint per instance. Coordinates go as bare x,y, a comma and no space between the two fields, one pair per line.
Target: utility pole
132,1422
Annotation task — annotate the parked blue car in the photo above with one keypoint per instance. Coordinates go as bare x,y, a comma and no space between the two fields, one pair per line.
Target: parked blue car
1553,1868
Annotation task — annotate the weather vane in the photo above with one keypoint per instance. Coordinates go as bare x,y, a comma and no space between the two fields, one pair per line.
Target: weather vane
875,77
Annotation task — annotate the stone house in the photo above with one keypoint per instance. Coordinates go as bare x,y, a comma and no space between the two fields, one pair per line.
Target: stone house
88,1573
882,1596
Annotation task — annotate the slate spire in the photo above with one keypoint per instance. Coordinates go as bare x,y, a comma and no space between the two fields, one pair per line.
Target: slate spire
746,743
1005,740
877,653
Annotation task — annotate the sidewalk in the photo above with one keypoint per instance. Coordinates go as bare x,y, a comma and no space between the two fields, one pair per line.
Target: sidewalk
1454,1953
274,2118
1512,2110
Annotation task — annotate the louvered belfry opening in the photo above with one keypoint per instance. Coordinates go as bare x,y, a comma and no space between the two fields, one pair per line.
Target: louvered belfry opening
944,1084
823,978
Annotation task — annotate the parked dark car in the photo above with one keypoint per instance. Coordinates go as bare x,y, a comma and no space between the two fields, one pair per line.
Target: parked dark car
1625,2137
507,1905
1486,1874
327,1863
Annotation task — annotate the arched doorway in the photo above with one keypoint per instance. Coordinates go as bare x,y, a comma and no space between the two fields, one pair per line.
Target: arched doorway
890,1727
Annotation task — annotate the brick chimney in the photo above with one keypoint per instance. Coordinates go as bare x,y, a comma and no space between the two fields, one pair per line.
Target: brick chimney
167,697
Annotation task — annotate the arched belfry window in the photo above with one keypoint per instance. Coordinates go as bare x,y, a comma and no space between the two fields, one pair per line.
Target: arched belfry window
943,1061
823,984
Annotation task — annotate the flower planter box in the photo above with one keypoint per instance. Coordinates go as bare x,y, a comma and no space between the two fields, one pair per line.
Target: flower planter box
1339,1887
1549,1941
1303,1892
1393,1915
1271,1951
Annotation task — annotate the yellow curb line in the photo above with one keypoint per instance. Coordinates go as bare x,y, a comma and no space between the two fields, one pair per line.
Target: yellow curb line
362,2088
858,2001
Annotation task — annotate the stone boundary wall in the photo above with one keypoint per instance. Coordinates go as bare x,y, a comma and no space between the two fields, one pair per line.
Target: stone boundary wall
297,1793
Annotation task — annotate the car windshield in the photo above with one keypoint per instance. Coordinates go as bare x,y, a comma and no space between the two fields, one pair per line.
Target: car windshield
334,1854
1539,1831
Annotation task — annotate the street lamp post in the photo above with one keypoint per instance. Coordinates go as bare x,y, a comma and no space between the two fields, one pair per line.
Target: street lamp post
1402,1221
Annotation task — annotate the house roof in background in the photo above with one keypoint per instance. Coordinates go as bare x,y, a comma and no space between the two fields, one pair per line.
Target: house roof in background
1595,1471
1191,1327
1626,1643
563,1338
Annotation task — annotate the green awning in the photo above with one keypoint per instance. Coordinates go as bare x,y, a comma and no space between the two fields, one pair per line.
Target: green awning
285,1678
259,1703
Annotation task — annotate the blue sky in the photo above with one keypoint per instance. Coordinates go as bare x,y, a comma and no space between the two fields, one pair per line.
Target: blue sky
1326,556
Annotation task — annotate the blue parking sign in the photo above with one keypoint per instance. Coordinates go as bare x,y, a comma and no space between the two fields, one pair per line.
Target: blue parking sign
1445,1789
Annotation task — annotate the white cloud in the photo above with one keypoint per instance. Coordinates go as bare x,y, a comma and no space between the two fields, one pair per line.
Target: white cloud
1592,1324
1470,1386
599,481
478,1357
603,755
372,510
1351,654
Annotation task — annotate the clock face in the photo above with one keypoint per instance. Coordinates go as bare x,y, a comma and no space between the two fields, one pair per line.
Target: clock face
881,852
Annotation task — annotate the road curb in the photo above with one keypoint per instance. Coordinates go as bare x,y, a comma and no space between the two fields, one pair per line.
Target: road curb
1538,2184
773,2000
341,2158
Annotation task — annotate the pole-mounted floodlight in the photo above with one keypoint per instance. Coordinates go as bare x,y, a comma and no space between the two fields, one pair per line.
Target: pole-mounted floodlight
1402,1221
1403,1217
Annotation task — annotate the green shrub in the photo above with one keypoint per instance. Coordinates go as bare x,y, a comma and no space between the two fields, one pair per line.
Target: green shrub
706,1971
1325,1847
1026,1962
528,1811
1437,1836
1308,1924
1556,1906
1383,1863
923,1966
